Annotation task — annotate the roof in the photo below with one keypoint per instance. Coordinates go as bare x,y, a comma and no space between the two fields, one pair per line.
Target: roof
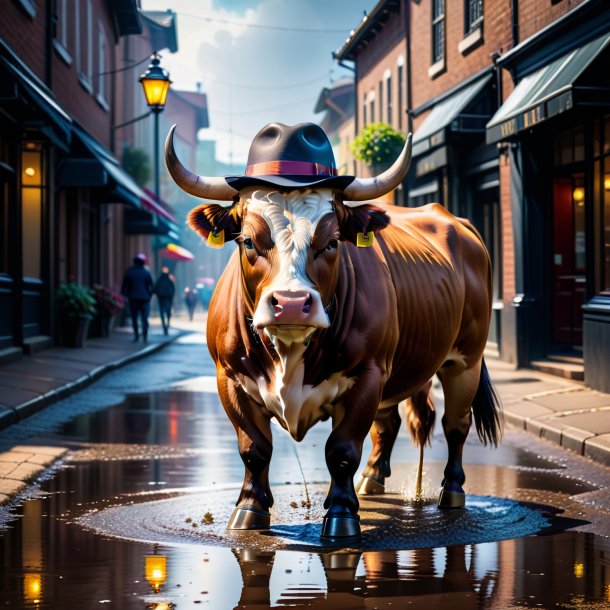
337,89
199,101
163,29
126,16
368,28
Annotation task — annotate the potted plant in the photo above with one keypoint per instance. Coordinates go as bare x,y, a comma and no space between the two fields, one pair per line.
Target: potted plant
75,309
377,145
108,304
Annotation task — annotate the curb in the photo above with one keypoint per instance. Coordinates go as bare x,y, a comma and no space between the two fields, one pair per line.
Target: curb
19,413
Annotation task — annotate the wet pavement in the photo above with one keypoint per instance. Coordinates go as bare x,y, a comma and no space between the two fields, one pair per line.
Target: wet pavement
134,515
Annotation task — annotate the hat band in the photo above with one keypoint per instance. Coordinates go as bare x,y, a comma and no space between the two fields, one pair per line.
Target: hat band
294,168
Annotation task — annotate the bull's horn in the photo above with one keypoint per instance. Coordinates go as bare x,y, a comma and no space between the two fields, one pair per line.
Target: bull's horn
362,189
200,186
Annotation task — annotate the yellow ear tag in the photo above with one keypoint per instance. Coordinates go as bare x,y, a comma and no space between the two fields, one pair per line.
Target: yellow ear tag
365,240
216,240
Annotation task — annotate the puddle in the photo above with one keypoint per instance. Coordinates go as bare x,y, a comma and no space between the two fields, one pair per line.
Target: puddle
109,528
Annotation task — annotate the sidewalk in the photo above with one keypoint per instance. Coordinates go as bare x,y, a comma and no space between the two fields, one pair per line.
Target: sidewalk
30,384
557,409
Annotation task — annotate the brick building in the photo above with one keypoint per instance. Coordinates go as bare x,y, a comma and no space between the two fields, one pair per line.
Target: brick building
64,196
509,104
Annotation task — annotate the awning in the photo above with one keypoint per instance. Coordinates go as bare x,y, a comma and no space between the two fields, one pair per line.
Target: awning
162,29
54,122
555,88
174,252
450,114
164,222
94,165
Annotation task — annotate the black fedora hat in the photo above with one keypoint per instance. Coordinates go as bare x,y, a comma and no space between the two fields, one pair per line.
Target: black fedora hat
290,156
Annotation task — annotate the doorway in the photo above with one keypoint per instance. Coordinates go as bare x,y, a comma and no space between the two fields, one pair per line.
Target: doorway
569,256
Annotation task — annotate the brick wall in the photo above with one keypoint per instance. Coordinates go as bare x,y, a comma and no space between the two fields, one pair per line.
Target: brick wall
535,15
25,34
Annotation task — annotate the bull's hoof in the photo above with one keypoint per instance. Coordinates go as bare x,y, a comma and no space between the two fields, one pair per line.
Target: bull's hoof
367,486
451,499
337,527
249,519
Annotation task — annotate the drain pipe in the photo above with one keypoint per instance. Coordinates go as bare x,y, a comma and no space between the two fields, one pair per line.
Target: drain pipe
515,20
409,100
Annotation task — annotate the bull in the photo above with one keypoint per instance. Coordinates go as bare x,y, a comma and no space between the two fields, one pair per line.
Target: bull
334,306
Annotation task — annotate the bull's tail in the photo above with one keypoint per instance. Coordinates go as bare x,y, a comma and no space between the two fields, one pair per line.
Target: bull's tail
487,410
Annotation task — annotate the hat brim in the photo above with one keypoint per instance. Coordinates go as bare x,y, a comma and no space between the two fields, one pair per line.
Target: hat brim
289,182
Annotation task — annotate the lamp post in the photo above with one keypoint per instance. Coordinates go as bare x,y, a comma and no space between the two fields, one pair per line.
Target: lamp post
155,82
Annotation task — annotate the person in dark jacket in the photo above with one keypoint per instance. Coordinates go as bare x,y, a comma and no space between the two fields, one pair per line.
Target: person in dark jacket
138,288
190,300
165,289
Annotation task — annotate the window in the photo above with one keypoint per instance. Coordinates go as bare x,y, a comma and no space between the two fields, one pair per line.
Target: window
388,95
61,42
438,31
372,106
473,15
601,185
32,188
364,122
84,42
399,94
102,68
29,6
380,101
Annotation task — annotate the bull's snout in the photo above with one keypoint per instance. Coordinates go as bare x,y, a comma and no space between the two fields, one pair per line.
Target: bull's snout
291,307
284,309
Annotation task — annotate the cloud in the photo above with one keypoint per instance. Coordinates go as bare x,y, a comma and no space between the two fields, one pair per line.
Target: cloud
254,75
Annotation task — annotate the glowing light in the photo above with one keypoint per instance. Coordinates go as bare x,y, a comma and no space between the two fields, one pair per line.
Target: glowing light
155,567
607,183
30,171
32,586
578,194
579,570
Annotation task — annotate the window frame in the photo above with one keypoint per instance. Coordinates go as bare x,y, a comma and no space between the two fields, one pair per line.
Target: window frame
438,38
102,68
470,25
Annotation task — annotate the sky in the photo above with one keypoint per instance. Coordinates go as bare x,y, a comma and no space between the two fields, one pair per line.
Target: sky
258,61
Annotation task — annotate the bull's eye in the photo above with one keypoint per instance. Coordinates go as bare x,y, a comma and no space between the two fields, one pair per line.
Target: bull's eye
248,243
332,245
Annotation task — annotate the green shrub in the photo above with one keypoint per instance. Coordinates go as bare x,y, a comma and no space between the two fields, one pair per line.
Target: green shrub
378,145
75,301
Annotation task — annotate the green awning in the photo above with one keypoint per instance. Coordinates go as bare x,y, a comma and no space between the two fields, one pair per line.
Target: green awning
448,114
551,90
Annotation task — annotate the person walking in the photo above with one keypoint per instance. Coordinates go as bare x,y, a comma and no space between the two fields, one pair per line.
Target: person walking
138,288
190,299
165,290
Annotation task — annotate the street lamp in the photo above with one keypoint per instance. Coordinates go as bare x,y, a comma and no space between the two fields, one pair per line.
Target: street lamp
155,82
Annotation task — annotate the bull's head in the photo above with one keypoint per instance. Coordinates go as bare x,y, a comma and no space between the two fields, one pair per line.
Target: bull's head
289,240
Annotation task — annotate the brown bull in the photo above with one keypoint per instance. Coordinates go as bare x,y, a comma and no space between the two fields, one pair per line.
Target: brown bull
305,324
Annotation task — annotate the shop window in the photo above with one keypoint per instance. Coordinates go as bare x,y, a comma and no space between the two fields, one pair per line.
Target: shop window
601,205
32,189
570,146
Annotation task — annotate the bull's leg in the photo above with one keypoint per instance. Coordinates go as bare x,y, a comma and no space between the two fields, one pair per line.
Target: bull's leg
383,434
255,447
460,388
344,451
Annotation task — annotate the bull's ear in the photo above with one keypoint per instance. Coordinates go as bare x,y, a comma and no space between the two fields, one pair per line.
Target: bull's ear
215,223
358,222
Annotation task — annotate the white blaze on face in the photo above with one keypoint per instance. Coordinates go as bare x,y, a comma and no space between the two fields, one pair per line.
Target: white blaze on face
292,219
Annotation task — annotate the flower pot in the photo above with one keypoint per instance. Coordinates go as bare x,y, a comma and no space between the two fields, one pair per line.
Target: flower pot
102,325
73,332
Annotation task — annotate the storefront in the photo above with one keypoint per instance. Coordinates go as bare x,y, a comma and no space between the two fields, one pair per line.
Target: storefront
454,166
555,129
